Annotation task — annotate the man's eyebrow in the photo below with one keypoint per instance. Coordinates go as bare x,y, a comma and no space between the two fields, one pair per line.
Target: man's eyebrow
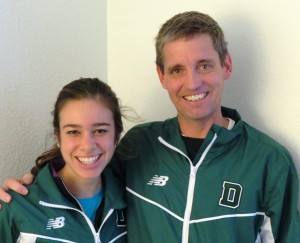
205,61
174,66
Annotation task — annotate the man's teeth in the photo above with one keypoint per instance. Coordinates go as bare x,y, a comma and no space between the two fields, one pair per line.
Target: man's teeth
195,97
88,160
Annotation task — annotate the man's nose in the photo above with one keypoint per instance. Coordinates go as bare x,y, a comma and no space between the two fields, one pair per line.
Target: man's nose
193,80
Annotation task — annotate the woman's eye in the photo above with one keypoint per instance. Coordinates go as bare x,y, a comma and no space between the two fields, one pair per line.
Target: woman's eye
73,132
100,131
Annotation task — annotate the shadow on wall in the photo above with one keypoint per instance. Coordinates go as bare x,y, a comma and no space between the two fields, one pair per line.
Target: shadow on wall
243,91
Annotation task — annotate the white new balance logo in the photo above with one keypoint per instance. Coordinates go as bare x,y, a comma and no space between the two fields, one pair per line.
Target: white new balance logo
56,223
158,180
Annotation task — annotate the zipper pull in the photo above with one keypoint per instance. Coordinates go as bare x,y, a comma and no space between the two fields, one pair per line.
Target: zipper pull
98,238
193,172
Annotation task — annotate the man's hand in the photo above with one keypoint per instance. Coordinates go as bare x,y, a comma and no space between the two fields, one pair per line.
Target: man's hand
15,185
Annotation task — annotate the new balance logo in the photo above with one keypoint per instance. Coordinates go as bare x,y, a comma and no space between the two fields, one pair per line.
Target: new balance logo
56,223
158,180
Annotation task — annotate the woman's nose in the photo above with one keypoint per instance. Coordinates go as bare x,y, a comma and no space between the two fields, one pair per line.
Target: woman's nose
87,141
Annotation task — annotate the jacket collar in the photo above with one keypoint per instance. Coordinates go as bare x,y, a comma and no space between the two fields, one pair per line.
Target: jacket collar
114,191
173,136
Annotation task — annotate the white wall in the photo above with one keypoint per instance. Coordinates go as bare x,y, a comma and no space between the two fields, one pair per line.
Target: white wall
264,41
43,45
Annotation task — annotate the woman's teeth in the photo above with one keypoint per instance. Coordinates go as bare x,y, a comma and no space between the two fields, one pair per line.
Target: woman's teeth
88,160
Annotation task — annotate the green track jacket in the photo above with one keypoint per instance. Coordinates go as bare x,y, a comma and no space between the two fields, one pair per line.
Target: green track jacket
243,187
46,215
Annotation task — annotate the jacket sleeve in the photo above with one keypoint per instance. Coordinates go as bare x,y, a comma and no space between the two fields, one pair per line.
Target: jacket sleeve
282,221
6,226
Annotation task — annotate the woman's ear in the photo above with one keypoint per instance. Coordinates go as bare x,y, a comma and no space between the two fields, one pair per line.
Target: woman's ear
56,133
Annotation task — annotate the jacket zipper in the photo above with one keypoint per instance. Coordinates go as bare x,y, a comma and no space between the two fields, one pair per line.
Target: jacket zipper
191,186
95,234
50,205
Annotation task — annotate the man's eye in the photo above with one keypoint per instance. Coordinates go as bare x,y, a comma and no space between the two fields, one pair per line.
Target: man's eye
176,71
205,66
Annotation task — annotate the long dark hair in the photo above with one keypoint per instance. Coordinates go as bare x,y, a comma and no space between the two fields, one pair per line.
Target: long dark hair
76,90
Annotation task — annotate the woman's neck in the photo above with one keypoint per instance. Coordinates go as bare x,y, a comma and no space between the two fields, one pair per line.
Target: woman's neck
81,187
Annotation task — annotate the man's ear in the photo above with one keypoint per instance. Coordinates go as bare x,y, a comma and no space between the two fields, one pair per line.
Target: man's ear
161,76
227,67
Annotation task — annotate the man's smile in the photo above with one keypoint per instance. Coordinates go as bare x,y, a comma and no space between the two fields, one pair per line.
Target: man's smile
195,97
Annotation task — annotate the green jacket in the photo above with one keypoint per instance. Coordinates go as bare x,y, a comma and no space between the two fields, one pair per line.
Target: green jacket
51,214
243,187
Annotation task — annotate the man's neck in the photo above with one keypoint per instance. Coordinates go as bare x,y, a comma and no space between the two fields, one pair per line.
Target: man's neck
199,129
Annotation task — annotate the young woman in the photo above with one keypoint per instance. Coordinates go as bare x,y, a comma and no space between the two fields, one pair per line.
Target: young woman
75,197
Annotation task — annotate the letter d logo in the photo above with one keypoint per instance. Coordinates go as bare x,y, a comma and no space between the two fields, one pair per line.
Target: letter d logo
231,195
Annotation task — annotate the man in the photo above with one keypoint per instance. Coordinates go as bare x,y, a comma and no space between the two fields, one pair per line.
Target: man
205,175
